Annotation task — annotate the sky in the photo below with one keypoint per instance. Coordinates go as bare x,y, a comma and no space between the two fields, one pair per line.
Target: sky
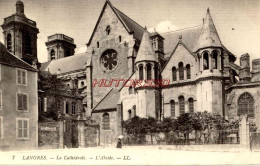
237,21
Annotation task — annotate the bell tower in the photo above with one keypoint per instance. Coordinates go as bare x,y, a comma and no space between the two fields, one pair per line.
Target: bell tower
148,67
210,88
20,35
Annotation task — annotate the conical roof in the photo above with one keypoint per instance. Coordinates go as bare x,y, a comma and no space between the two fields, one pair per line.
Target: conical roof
209,35
146,51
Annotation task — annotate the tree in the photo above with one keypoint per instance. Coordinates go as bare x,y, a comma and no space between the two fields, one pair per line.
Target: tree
52,88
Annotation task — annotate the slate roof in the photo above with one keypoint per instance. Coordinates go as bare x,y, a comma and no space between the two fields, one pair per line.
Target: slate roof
68,64
108,102
209,35
146,51
9,59
189,37
131,26
134,27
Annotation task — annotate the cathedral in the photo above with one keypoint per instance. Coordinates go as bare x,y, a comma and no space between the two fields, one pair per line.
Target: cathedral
201,71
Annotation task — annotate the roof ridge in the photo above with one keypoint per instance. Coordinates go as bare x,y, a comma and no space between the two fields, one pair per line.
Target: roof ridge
21,60
74,55
182,29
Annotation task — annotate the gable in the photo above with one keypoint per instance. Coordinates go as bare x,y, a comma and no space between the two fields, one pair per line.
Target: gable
180,54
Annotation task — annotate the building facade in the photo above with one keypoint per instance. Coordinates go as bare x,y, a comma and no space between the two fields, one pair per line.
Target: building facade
19,103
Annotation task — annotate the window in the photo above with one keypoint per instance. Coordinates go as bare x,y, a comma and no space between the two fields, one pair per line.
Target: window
28,44
246,105
174,74
97,44
149,71
188,71
9,42
205,61
119,39
106,121
191,105
108,30
22,128
73,108
45,104
21,77
181,71
129,114
156,72
52,54
141,72
22,102
67,107
109,60
215,59
131,90
82,83
181,105
1,128
172,103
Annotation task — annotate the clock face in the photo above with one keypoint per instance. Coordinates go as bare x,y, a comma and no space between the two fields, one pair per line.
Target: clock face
109,60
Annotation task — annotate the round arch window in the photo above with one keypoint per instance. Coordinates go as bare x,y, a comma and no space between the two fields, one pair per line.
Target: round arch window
109,60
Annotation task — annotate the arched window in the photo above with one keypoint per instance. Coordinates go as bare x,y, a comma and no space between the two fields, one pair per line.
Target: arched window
181,71
174,74
108,30
129,114
215,59
149,71
188,71
181,105
191,105
28,44
172,103
246,105
156,72
205,61
52,54
106,121
141,72
131,90
9,42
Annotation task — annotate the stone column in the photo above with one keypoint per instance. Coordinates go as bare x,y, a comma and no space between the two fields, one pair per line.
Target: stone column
184,73
81,133
177,75
201,63
210,62
61,134
145,71
244,133
152,70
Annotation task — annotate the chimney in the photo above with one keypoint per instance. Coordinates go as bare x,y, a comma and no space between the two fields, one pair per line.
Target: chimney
256,70
244,73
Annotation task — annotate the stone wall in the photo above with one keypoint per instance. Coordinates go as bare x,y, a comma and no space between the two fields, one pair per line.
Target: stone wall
49,135
107,137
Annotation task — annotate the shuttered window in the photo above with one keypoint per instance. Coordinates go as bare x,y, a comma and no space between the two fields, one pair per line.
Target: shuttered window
22,102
